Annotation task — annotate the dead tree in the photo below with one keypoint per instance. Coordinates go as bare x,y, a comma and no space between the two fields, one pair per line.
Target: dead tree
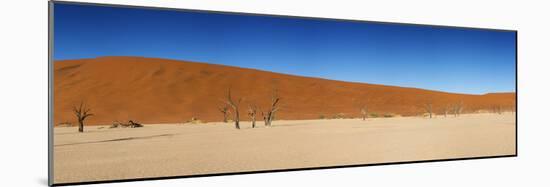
252,111
269,115
235,106
81,112
457,108
428,108
363,108
446,110
225,111
364,112
133,124
497,109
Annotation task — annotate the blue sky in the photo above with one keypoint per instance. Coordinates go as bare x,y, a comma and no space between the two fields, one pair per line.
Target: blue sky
437,58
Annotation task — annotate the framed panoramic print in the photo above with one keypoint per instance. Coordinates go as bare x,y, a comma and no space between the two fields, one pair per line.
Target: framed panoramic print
142,93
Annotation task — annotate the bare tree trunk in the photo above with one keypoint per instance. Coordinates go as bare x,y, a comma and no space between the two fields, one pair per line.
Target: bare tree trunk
252,110
267,122
274,107
497,109
457,108
455,111
225,111
428,107
235,106
271,117
237,119
364,113
363,106
81,112
446,110
268,118
80,126
265,119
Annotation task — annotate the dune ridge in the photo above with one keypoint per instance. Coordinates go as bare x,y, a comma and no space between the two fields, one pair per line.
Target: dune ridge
154,90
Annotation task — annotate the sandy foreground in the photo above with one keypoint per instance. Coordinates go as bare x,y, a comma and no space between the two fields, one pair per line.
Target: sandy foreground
175,149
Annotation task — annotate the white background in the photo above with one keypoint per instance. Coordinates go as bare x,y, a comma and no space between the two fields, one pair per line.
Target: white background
23,95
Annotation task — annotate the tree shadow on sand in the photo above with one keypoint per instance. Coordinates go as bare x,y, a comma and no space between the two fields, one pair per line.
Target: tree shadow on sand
118,139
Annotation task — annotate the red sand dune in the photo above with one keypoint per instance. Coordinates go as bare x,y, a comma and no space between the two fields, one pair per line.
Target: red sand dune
152,90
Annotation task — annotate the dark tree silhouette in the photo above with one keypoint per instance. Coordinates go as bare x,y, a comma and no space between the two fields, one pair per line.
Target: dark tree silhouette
225,111
269,115
133,124
497,109
428,107
81,112
252,111
457,108
235,106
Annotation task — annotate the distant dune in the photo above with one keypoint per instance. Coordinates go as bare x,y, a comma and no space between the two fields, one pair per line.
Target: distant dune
152,90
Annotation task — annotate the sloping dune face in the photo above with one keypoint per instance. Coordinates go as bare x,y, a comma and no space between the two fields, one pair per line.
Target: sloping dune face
151,90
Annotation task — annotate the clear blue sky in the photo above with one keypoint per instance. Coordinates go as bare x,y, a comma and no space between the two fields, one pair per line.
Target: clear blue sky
445,59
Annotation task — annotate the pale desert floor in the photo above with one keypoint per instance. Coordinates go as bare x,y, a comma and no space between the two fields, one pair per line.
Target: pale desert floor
175,149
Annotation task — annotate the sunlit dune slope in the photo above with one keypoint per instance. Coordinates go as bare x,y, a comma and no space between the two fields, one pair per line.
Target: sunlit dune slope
152,90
